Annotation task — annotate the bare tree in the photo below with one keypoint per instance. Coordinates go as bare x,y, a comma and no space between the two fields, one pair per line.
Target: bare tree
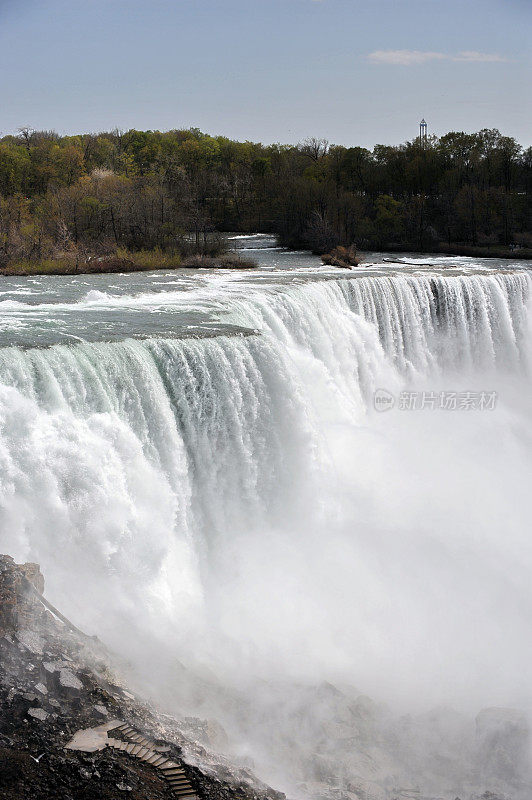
26,133
314,148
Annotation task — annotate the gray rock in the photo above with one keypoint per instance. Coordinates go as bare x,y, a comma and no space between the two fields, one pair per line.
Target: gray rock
31,641
54,666
38,713
68,680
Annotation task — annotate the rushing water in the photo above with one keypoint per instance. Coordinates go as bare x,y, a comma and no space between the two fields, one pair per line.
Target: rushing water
196,461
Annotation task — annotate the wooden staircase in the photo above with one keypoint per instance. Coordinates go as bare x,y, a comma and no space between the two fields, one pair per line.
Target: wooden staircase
127,740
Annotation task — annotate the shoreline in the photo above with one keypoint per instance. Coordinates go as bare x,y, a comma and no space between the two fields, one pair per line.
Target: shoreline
459,251
143,262
153,260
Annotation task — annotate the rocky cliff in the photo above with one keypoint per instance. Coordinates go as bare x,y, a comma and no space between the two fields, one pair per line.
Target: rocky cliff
70,730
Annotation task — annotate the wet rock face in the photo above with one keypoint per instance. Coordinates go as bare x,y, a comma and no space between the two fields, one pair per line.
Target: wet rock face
17,606
34,575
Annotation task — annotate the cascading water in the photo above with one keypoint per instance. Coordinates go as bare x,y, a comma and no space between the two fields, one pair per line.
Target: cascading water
236,501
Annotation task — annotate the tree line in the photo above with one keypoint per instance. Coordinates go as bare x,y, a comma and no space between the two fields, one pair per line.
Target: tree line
141,190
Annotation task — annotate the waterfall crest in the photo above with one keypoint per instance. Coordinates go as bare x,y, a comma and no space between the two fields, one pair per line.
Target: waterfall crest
141,470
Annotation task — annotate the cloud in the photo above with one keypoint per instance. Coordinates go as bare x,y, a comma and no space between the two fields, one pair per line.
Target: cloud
473,55
406,58
403,57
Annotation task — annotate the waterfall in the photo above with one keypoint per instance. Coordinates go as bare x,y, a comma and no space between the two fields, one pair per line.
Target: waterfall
223,492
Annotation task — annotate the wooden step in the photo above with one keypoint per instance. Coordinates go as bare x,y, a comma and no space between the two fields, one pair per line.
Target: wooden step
117,744
153,758
159,761
181,788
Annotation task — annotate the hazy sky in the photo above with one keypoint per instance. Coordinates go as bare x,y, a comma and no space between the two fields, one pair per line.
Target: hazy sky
351,71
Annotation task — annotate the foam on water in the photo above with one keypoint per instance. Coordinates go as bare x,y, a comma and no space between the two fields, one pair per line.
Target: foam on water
238,501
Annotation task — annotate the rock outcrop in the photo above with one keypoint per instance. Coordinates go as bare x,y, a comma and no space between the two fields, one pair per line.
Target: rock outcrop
17,606
56,682
345,257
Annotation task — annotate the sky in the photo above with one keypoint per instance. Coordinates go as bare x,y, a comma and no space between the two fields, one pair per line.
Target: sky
355,72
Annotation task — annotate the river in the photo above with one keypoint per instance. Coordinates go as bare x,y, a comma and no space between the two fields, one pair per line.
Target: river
290,475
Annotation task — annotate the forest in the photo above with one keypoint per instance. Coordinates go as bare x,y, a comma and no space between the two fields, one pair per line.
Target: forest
166,195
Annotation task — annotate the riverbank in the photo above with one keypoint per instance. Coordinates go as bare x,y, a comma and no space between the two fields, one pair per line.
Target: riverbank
126,261
520,254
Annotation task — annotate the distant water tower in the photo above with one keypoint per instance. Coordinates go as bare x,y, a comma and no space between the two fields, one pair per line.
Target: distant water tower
423,133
